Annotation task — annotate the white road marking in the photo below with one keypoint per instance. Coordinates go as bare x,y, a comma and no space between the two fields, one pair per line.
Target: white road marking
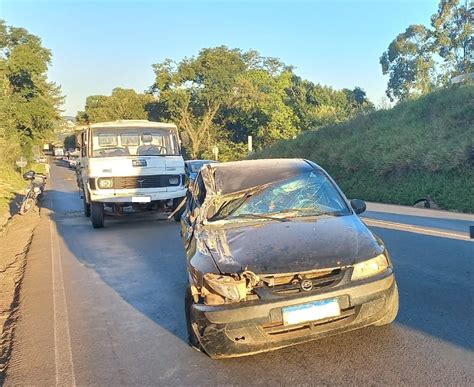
416,229
62,341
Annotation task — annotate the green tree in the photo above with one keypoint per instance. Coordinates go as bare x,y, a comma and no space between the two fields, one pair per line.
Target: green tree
123,104
29,103
409,63
316,105
192,92
453,34
223,95
422,58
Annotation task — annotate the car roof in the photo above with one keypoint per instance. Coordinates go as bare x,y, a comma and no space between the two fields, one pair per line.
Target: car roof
235,176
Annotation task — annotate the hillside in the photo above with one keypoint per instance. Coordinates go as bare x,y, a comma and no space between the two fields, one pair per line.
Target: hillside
418,149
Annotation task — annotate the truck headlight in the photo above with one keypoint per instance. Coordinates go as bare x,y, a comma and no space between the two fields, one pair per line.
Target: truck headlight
226,286
370,267
105,183
173,180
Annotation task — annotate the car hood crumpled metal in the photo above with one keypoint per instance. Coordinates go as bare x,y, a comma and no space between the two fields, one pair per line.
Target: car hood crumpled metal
304,244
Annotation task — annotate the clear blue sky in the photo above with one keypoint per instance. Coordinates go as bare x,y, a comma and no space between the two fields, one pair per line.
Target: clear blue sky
99,45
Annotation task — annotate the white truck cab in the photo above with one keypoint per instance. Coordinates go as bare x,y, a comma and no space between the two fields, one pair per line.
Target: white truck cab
130,163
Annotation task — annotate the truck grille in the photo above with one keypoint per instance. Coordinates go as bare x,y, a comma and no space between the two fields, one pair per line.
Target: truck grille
150,181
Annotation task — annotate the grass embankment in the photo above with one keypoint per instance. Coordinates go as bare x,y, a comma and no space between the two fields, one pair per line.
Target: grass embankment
418,149
11,183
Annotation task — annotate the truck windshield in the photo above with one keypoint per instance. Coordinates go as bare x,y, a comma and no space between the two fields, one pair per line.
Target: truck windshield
115,142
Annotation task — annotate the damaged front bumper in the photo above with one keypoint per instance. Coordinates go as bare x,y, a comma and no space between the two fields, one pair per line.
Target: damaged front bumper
257,326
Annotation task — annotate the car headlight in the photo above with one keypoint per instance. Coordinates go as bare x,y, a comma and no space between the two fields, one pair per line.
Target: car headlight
173,180
370,267
105,183
226,286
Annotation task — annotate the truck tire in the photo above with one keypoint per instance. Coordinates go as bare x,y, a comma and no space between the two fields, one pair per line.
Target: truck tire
86,206
97,214
177,215
391,310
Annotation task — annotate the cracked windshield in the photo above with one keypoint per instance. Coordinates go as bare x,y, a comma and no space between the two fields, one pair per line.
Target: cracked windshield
307,194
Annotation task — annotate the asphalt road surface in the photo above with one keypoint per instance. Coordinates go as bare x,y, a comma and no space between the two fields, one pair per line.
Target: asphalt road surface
106,307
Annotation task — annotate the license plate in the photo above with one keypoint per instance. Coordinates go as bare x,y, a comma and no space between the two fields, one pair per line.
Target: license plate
141,199
139,163
311,311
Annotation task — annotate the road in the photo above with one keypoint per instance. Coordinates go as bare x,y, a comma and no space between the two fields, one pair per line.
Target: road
105,307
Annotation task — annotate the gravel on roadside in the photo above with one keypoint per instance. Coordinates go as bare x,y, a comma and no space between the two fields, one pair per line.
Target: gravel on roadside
15,239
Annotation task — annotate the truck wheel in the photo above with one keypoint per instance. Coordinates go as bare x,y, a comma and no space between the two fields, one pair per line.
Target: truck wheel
188,302
97,214
177,215
86,206
392,309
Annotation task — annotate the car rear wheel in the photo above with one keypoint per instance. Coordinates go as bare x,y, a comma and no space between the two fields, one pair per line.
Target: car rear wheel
188,302
97,214
392,309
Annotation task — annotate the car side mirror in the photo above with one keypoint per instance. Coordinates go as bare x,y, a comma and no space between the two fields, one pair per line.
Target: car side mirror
358,206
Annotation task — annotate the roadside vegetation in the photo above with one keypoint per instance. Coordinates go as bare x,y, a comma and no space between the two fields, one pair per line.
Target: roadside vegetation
418,149
29,104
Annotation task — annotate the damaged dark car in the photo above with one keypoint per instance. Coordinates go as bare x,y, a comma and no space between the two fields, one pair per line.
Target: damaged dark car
277,256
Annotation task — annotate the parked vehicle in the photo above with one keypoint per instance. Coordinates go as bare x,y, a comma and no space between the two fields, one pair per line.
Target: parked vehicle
34,191
276,256
72,159
192,167
130,163
58,153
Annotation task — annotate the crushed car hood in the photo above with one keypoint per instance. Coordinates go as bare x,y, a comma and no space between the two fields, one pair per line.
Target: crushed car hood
303,244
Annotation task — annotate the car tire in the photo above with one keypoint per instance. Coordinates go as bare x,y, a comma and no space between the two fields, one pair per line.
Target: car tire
192,338
97,214
86,206
391,310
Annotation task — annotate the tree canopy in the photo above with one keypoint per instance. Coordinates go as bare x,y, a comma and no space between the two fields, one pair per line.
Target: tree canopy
29,103
423,58
122,104
222,95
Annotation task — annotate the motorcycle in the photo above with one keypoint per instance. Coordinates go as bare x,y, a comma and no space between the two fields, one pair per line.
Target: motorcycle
34,192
